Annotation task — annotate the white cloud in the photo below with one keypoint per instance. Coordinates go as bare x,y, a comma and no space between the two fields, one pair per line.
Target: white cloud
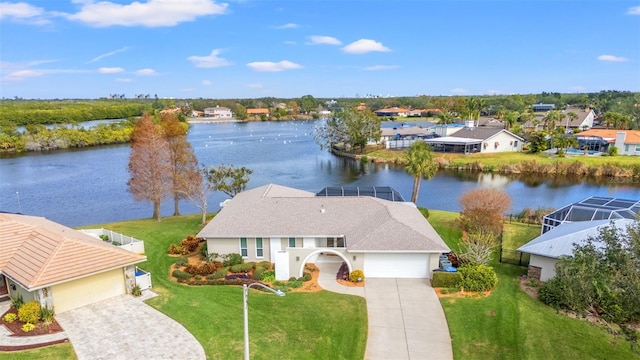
23,13
210,61
110,70
289,42
612,58
323,40
152,13
146,72
110,53
635,10
458,91
255,86
21,75
287,26
269,66
380,67
206,82
124,80
364,46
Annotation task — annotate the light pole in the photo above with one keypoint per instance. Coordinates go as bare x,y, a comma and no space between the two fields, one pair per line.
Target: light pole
245,290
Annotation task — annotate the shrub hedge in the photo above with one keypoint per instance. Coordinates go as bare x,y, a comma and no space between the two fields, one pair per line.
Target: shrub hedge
478,277
29,312
443,279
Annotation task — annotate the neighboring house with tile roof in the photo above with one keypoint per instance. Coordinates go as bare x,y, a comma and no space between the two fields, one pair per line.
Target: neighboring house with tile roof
546,249
60,267
292,227
258,112
470,140
627,141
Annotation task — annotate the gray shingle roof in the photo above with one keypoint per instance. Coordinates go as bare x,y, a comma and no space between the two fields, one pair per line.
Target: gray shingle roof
481,133
367,223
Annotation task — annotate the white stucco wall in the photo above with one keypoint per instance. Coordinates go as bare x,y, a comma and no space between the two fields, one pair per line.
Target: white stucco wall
546,264
505,143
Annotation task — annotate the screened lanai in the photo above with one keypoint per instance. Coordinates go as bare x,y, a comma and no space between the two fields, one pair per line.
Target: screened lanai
381,192
593,208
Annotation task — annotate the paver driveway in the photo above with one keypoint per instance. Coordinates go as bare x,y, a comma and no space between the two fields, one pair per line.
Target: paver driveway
124,327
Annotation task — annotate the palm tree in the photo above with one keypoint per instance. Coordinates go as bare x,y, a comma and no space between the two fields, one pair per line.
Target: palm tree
420,164
572,116
552,118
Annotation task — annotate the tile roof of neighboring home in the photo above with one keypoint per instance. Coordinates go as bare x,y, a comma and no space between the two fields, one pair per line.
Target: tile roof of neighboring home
37,252
481,133
258,111
559,241
633,136
395,110
367,223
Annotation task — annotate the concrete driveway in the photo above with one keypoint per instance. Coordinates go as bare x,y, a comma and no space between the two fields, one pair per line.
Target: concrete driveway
406,321
124,327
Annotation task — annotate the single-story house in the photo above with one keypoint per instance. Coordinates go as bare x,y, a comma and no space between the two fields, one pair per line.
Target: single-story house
474,139
393,111
627,141
583,120
60,267
218,112
291,227
546,249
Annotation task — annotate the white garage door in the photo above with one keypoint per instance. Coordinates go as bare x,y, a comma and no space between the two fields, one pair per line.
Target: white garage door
396,265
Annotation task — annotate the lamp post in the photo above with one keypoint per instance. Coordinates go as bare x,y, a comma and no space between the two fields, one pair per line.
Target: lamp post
245,290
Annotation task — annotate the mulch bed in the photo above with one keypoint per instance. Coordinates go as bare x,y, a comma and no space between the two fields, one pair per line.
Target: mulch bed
16,327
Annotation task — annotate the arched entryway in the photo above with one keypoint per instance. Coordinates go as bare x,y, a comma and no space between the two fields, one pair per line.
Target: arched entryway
325,254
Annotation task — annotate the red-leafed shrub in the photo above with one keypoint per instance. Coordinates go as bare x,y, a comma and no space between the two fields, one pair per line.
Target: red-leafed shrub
190,244
203,269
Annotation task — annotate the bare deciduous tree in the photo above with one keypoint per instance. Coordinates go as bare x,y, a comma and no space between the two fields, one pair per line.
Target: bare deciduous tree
149,164
483,210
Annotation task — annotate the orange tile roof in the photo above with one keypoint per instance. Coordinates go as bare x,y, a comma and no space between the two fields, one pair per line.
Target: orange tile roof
633,136
257,111
37,252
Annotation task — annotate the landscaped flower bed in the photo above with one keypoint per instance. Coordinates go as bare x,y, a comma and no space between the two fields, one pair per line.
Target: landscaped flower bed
40,328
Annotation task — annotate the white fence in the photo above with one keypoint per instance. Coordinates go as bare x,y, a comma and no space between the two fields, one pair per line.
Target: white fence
143,279
117,239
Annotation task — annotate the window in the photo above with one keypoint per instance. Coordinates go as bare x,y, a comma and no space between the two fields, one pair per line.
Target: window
259,249
515,143
292,242
637,148
243,247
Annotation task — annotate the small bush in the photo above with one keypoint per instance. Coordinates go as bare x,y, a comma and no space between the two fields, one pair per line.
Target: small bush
269,276
181,262
28,327
190,244
47,314
204,252
203,269
241,267
218,274
17,302
181,275
237,276
424,212
294,284
29,312
356,276
478,277
232,259
443,279
257,273
293,278
265,265
175,249
553,294
10,317
307,277
136,291
104,237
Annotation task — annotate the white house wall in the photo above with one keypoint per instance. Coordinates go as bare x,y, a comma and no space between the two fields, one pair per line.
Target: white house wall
547,266
505,143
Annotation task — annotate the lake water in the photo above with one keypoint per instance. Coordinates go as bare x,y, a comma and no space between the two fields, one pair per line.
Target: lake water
88,186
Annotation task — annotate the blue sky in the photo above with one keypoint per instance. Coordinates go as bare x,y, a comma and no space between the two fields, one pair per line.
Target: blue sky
331,48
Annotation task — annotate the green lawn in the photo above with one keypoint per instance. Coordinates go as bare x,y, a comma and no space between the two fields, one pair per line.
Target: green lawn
320,325
509,324
59,351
